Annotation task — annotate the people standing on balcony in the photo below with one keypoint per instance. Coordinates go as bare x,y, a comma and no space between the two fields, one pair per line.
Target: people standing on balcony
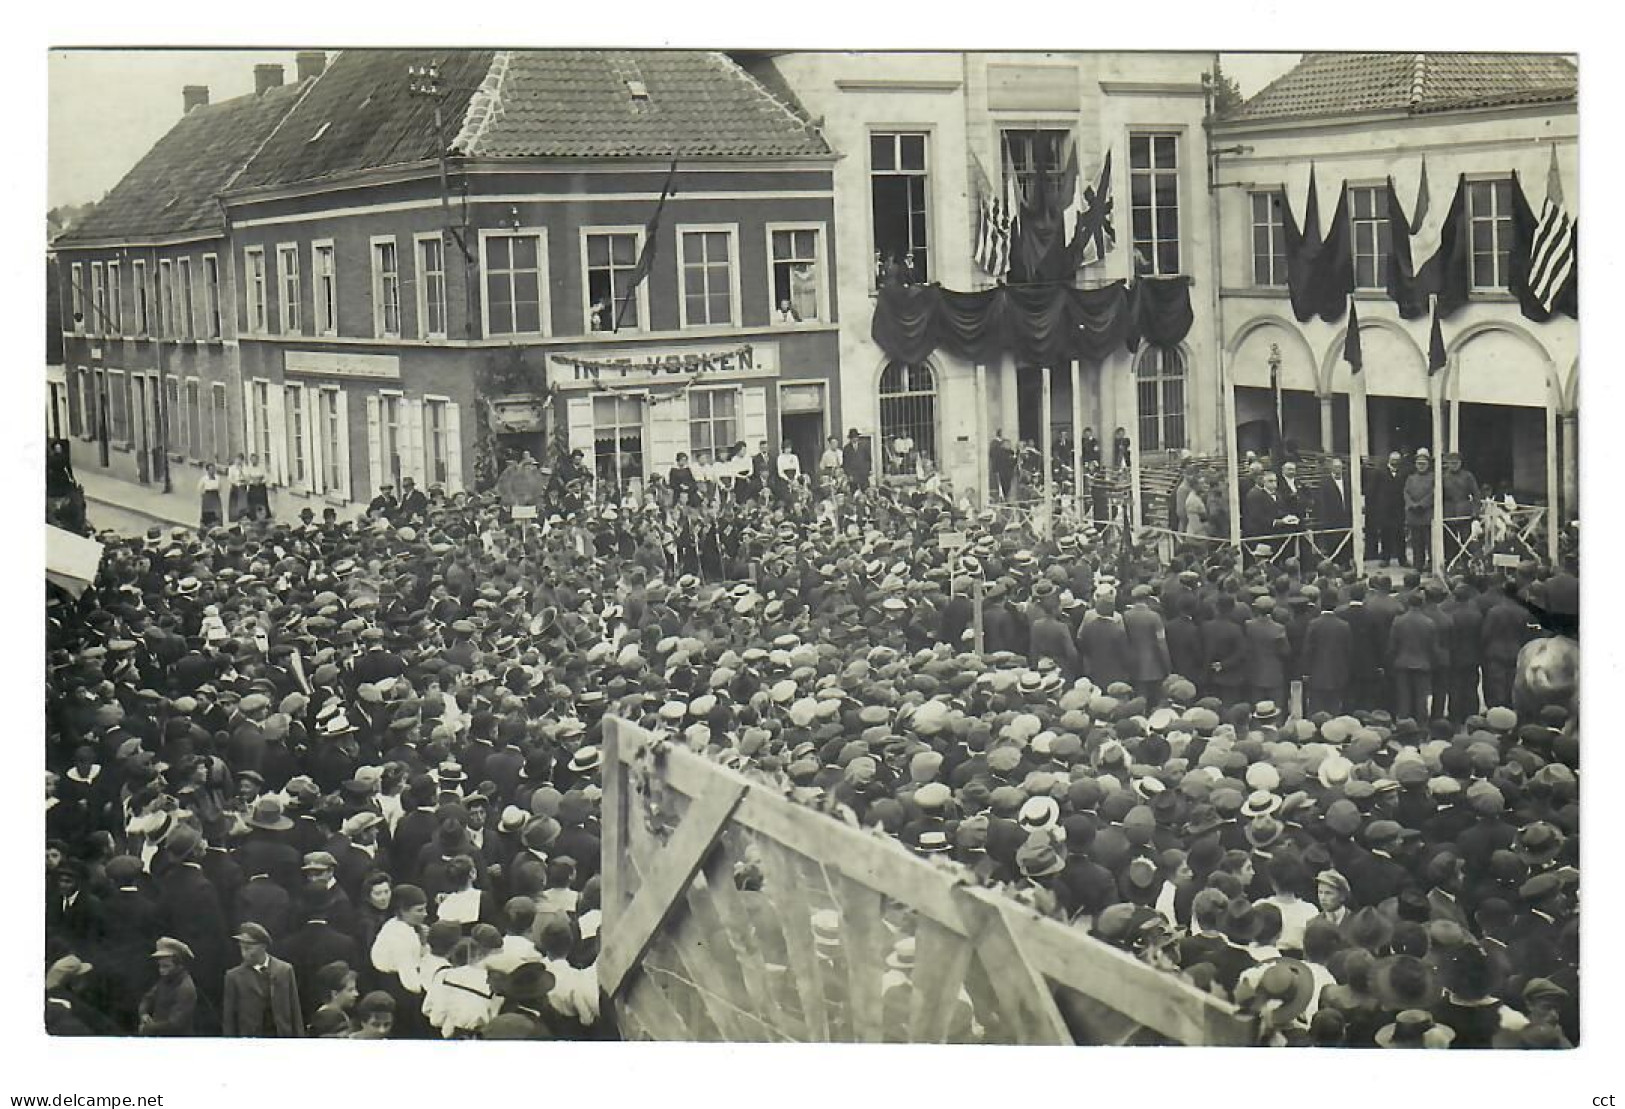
259,497
855,460
1002,461
1460,503
237,489
1332,518
1121,449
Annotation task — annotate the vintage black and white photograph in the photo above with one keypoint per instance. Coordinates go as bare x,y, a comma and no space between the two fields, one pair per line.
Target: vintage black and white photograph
800,546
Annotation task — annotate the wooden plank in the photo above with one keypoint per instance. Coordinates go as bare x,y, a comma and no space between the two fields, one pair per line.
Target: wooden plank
728,904
985,1007
1024,996
613,842
647,1003
660,894
671,976
865,943
940,960
793,914
712,970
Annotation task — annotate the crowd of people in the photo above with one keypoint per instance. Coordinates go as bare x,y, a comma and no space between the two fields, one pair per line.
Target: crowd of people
329,778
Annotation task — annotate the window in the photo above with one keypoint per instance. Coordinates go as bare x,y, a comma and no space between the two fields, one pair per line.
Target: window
254,268
1368,208
908,412
431,286
76,292
1269,239
1489,207
188,301
386,288
514,266
174,417
259,428
115,299
1161,374
326,293
194,417
713,420
293,410
98,298
211,297
706,262
617,435
612,304
1038,158
118,407
1154,197
389,436
798,294
332,442
166,298
436,442
287,269
221,415
898,189
143,325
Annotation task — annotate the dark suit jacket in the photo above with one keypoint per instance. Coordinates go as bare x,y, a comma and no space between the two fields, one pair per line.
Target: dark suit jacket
192,914
1332,506
1385,497
1267,652
1148,644
1413,642
1050,638
1259,513
1104,652
1186,653
1226,645
250,994
1366,651
1327,650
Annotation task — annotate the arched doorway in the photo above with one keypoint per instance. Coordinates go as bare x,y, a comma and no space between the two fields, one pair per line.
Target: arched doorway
908,412
1159,375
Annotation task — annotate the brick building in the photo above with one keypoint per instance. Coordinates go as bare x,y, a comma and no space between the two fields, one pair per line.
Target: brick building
145,288
402,315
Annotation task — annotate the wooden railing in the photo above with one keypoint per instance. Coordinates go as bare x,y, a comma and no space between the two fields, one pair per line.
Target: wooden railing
734,913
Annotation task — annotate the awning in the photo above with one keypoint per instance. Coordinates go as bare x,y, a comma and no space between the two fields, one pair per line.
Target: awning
71,561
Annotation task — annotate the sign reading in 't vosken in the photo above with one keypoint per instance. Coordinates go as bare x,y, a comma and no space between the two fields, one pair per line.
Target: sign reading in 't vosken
653,366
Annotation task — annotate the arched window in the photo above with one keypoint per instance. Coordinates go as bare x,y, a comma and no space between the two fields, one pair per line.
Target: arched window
1161,374
908,413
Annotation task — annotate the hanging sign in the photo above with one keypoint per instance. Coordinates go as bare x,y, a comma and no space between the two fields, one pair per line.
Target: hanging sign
654,365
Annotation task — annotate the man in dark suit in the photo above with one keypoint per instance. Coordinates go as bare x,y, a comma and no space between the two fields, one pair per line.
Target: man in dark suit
1049,636
855,460
1332,516
261,996
191,910
1002,628
1268,652
414,506
1385,513
1366,651
1149,661
1504,632
72,913
1186,654
1412,653
1261,510
1327,656
1382,609
1225,645
1103,646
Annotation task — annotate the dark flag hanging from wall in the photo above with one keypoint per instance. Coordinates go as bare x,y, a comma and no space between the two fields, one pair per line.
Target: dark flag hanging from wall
1352,352
1334,267
1302,243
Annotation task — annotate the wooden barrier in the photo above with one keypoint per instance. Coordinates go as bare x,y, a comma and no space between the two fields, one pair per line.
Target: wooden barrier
732,913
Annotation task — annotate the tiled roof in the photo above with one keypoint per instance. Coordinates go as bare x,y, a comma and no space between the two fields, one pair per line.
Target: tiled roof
361,114
171,190
581,103
1334,84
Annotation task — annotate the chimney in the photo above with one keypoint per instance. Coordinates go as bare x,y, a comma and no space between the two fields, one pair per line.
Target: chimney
194,96
266,77
310,63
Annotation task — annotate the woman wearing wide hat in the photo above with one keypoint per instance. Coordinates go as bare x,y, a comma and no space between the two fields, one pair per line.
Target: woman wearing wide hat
1415,1028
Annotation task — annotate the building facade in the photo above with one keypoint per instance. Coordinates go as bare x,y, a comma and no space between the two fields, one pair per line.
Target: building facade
920,136
1509,388
431,319
150,368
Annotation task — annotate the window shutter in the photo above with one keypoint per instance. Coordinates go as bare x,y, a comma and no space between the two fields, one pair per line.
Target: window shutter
454,448
668,430
375,450
310,399
277,468
415,462
578,416
249,445
346,489
753,421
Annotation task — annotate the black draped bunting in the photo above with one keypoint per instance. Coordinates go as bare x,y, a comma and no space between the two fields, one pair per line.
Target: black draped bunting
1037,325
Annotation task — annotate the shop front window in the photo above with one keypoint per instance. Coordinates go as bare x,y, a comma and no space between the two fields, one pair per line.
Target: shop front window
617,436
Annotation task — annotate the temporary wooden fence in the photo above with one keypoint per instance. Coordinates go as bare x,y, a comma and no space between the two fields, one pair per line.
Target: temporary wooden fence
732,913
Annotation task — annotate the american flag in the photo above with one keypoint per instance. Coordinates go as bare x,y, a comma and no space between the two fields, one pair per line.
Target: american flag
1551,252
994,228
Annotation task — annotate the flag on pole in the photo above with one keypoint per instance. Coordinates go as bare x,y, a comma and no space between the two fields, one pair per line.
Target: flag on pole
992,250
1415,241
1436,352
1095,235
646,258
1352,354
1551,254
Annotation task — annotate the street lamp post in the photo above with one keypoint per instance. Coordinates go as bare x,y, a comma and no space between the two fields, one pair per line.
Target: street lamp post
1275,387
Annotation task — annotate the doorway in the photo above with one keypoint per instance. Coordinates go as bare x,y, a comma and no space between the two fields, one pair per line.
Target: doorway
802,422
1399,424
141,431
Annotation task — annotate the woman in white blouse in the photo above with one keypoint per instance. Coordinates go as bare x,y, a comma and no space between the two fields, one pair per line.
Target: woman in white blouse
397,953
208,488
